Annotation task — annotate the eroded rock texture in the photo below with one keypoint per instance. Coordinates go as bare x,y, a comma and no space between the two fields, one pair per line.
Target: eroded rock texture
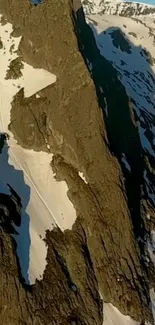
100,254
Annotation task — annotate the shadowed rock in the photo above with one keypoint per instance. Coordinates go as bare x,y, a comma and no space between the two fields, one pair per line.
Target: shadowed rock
101,247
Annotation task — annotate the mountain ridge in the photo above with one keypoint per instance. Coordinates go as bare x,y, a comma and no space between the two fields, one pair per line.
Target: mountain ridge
100,257
125,9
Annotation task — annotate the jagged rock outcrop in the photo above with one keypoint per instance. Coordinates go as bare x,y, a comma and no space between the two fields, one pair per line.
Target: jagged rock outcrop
100,254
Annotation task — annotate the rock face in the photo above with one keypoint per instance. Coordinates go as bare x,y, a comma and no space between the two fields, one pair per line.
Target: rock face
100,255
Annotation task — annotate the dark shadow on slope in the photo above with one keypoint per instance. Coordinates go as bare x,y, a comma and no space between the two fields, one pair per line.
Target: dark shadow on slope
140,111
122,131
14,199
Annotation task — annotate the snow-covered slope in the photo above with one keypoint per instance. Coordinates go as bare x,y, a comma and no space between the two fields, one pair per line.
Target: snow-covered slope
45,202
129,45
112,316
118,7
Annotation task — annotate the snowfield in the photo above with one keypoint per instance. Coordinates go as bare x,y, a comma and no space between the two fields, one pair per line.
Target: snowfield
129,44
45,201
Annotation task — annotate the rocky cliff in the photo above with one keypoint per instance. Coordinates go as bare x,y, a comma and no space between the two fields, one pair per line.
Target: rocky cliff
100,256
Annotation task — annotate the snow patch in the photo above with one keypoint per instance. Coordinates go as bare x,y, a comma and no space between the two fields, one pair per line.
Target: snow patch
106,104
112,316
44,200
152,297
124,160
83,177
151,247
150,190
148,216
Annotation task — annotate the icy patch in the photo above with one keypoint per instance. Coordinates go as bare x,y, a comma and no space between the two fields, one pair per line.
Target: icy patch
106,104
150,190
152,297
89,65
151,247
124,160
83,177
145,142
45,201
36,2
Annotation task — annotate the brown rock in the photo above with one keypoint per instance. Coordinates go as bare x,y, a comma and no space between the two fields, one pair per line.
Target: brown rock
100,254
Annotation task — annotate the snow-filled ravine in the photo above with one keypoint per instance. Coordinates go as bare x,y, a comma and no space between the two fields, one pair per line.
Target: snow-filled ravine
45,203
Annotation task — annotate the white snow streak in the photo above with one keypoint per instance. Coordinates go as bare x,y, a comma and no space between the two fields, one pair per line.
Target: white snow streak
152,297
83,177
124,160
45,201
151,247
